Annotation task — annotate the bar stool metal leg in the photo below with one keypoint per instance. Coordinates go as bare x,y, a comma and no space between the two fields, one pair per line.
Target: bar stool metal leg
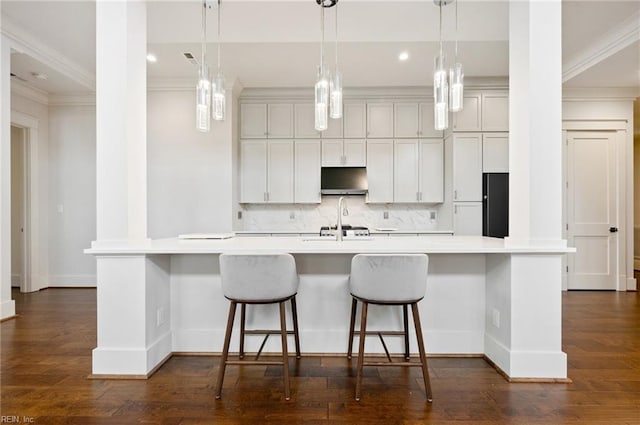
352,325
363,332
405,319
296,334
242,322
225,349
285,351
423,356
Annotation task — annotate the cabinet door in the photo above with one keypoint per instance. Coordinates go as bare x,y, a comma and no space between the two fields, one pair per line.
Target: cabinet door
379,120
334,130
495,153
355,121
431,171
467,167
467,218
406,120
280,171
355,153
253,120
307,171
280,121
405,182
332,155
427,122
470,118
495,111
380,170
253,171
304,122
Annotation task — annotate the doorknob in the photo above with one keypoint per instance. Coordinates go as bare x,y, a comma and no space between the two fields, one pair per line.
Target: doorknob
613,229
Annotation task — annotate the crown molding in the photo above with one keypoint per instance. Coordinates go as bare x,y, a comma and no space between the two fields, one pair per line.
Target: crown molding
21,89
611,43
619,94
23,42
74,99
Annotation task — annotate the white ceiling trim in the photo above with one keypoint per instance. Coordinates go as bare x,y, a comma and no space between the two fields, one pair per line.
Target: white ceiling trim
28,92
611,43
22,42
72,100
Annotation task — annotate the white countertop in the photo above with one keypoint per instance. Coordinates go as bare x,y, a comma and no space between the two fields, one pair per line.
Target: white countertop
372,231
316,245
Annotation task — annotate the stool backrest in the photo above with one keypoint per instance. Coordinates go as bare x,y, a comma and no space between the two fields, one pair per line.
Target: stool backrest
389,277
258,277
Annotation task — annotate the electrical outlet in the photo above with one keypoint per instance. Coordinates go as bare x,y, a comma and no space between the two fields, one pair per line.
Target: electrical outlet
385,215
239,215
495,318
292,215
432,215
160,319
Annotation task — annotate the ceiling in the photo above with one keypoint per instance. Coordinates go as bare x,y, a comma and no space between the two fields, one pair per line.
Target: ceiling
275,43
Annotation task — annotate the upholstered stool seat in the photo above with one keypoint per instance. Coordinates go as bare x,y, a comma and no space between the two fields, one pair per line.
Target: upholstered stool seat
258,279
389,279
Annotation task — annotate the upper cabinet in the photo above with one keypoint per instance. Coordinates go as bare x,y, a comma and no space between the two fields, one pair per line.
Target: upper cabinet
419,171
354,120
380,170
379,120
305,121
266,171
307,172
483,111
414,120
495,111
495,153
467,167
260,120
344,153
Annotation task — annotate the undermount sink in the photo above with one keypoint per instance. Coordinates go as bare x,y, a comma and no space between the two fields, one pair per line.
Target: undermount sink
332,239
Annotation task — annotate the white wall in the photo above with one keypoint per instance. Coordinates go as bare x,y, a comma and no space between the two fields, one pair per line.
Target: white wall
72,187
190,179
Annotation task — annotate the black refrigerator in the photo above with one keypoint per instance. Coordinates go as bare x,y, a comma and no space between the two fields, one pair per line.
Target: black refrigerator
495,204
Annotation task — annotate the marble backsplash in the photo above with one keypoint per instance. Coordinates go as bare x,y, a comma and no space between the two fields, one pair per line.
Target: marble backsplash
305,217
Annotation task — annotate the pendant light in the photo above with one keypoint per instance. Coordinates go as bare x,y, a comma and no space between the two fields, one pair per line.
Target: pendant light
440,83
456,78
219,94
322,83
203,88
335,100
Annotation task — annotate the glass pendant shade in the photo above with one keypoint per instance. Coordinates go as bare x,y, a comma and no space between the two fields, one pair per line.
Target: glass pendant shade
335,99
440,94
219,98
322,100
456,82
203,99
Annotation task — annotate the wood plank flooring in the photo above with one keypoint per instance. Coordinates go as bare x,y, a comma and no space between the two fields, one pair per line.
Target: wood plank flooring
46,358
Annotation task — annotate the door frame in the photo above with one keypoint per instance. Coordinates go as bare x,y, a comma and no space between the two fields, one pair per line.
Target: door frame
31,281
621,191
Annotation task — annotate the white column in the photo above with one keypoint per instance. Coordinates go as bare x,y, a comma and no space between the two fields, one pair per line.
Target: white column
7,305
535,121
133,326
121,96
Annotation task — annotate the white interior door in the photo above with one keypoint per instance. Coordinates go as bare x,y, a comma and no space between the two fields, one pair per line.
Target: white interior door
18,207
592,210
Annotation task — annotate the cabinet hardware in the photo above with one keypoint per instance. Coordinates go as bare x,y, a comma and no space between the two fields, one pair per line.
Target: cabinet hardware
420,196
264,196
613,229
455,194
455,209
417,196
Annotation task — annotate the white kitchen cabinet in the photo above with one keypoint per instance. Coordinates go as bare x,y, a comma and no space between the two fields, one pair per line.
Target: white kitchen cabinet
380,170
470,118
344,153
414,120
495,110
419,171
334,129
495,153
261,120
305,121
266,171
467,218
307,172
467,167
354,120
379,120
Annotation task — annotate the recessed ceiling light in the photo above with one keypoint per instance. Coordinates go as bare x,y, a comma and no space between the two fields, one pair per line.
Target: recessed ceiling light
152,58
403,56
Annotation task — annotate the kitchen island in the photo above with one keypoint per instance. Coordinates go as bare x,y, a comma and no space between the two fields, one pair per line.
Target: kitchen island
485,297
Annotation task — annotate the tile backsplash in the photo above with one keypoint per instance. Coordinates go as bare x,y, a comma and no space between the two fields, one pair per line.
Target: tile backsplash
310,217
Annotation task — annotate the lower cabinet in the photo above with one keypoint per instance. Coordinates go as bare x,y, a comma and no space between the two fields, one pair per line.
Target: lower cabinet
467,218
266,171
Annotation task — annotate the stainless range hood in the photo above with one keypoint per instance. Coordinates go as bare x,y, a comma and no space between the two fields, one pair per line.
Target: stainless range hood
343,181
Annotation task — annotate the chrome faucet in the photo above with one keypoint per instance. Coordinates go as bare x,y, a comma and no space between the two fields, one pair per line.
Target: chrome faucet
339,223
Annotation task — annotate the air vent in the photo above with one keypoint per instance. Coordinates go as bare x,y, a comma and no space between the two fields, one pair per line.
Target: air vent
18,78
189,56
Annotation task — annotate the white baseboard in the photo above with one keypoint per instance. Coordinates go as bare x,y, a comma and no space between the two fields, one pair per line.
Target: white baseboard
72,280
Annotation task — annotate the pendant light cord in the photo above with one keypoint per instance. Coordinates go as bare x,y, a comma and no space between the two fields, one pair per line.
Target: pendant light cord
321,39
219,13
336,5
440,7
204,31
456,31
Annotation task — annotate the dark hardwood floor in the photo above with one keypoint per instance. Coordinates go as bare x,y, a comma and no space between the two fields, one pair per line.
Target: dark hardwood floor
46,359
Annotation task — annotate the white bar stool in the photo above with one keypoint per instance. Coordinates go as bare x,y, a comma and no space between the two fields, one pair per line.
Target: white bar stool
259,279
389,279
